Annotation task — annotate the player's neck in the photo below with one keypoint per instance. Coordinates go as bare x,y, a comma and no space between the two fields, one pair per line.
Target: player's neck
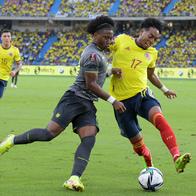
6,46
138,43
98,47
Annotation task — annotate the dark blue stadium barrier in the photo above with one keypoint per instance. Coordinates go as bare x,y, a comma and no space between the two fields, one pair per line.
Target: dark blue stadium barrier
44,49
114,8
170,6
55,7
161,44
1,2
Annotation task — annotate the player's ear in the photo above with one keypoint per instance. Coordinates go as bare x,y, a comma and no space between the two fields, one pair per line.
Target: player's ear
141,31
95,35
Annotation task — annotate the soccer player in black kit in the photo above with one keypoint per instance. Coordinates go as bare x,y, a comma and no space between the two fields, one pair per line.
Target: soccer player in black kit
76,105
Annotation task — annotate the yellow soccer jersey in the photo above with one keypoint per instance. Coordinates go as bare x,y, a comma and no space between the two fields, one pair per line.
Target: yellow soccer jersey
133,62
7,58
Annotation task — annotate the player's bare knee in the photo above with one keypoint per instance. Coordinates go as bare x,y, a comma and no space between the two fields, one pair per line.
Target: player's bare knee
54,128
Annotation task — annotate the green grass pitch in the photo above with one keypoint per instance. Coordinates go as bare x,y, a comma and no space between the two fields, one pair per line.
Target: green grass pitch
41,168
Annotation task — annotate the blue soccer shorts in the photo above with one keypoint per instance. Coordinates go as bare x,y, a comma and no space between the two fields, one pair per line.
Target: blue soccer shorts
3,84
140,104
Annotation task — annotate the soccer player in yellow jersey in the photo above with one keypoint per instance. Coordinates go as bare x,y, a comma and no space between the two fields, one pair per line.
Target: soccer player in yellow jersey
8,55
134,62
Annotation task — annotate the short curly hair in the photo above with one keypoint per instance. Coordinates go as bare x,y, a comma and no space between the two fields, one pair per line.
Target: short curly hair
152,22
5,31
99,23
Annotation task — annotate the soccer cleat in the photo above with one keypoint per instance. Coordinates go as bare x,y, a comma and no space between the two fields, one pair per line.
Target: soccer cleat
181,162
6,144
74,183
12,85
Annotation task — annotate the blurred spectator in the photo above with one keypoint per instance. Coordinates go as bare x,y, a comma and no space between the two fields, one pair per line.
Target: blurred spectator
184,8
141,8
84,8
29,44
180,50
26,7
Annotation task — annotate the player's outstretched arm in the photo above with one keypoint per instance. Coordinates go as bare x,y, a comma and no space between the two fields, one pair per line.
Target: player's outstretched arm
156,82
91,84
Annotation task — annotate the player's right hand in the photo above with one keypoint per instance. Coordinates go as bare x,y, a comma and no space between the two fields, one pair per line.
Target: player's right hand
12,73
119,106
117,72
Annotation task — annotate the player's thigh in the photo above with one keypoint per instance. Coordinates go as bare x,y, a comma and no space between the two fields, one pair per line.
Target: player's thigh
148,107
128,123
86,124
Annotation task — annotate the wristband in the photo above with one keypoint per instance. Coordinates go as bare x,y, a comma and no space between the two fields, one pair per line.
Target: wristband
111,99
109,71
164,89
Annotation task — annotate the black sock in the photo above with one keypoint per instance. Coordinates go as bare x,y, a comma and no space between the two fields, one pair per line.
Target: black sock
32,136
82,155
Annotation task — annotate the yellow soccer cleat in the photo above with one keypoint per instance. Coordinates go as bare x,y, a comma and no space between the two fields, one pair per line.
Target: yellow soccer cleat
6,144
181,162
74,183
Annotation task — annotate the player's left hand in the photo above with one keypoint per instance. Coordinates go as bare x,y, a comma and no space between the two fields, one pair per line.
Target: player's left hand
170,94
13,73
117,72
119,106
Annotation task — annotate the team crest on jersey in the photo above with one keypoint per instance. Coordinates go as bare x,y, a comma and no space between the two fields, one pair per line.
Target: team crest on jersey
128,48
10,54
147,55
93,57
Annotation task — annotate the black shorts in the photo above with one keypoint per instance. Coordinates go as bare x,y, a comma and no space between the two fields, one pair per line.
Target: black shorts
76,110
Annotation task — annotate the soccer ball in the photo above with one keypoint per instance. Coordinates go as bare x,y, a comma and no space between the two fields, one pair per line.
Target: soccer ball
151,179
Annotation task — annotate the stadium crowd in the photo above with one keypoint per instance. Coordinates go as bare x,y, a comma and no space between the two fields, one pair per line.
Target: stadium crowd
91,8
184,8
141,8
180,47
68,48
87,8
29,44
180,44
26,7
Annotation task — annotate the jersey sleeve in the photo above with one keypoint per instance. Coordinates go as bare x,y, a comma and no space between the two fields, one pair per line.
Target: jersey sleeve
153,63
92,63
17,55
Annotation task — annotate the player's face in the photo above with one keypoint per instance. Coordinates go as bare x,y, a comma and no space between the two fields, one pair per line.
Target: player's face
104,38
148,37
6,39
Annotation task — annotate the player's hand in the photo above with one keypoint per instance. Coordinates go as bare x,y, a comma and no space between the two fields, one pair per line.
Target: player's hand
119,106
170,94
13,73
117,72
